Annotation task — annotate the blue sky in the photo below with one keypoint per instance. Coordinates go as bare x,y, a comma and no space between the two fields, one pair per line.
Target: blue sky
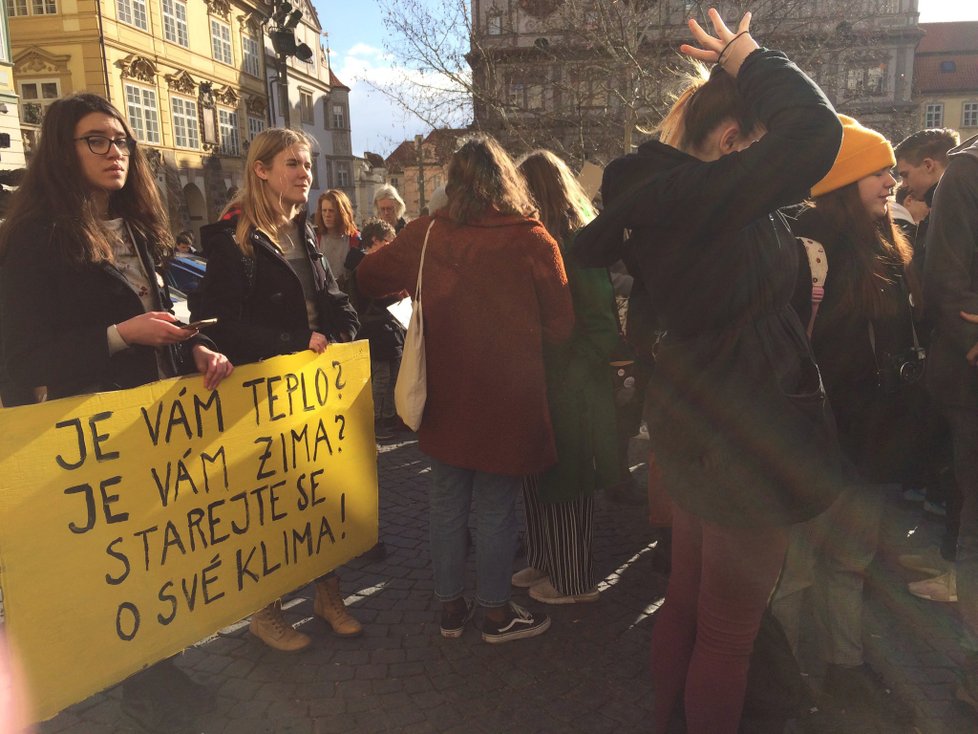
356,41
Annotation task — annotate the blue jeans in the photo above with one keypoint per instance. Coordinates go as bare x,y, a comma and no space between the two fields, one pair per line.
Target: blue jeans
383,375
453,492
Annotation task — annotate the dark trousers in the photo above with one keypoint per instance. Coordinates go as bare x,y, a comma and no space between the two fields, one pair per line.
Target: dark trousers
704,633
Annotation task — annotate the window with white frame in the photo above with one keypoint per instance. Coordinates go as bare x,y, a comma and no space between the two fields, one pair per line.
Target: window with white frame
339,117
175,22
144,117
221,42
969,114
342,174
255,126
227,123
33,7
250,56
132,12
35,97
305,106
315,171
186,132
934,115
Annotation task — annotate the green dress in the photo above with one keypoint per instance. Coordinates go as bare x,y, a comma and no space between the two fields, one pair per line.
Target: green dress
580,390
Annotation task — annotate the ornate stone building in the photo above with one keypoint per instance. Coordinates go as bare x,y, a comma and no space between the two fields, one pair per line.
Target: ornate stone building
586,78
188,74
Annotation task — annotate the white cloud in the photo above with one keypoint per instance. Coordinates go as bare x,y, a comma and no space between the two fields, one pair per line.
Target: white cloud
378,122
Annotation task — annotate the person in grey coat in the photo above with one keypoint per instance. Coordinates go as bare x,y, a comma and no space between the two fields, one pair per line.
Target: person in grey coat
951,293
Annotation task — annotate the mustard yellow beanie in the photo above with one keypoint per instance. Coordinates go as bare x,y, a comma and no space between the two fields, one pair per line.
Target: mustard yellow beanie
863,152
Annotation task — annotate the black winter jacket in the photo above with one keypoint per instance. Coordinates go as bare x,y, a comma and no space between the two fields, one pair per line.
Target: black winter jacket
951,279
258,301
53,319
877,428
736,410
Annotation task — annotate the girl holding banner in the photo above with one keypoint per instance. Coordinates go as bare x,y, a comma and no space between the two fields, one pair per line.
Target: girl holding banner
273,293
81,305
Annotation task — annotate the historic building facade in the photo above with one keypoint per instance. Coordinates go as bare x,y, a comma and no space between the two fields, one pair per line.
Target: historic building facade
188,74
946,76
588,78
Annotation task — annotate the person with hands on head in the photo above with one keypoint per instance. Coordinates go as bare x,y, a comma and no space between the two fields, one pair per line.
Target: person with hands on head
737,415
82,309
273,293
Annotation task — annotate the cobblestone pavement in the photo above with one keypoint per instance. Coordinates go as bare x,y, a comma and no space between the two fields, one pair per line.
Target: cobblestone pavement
588,674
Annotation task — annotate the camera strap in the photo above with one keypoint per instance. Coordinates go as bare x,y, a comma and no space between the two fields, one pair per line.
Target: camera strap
913,328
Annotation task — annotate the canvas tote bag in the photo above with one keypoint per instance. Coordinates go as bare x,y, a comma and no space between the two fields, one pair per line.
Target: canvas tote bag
411,388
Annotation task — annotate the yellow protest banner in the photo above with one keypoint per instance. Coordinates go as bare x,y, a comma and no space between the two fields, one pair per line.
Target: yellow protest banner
135,523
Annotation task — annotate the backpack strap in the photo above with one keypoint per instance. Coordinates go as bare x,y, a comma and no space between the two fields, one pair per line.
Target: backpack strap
819,265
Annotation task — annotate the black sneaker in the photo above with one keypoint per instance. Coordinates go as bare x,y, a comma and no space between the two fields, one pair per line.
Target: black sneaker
517,624
453,622
860,690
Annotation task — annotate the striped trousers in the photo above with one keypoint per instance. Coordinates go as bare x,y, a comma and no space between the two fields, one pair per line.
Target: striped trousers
558,539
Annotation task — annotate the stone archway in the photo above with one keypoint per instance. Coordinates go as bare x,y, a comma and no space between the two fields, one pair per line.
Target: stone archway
196,208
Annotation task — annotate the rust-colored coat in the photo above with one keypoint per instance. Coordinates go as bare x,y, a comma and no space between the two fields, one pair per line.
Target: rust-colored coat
493,291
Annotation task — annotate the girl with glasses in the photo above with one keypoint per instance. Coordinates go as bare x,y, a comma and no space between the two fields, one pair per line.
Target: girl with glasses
82,309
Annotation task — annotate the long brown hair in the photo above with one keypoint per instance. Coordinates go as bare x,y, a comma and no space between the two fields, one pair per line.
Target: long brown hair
562,205
54,189
706,99
256,207
344,210
482,176
878,246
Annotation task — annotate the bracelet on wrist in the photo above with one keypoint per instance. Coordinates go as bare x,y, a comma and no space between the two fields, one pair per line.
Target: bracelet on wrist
729,44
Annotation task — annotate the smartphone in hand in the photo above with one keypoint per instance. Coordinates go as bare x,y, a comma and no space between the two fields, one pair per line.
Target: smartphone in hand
201,324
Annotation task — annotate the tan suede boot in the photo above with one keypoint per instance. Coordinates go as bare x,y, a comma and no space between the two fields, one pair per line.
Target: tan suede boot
329,605
269,626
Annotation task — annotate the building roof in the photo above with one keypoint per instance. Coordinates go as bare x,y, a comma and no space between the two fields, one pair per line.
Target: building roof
946,59
949,37
334,81
439,145
375,160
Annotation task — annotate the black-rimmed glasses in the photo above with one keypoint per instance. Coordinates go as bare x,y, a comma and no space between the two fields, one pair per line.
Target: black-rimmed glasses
99,144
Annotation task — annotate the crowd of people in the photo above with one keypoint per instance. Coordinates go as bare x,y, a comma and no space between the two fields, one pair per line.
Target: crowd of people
814,332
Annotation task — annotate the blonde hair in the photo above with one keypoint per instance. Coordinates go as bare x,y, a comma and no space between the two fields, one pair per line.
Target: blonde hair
344,210
256,207
562,205
481,176
707,98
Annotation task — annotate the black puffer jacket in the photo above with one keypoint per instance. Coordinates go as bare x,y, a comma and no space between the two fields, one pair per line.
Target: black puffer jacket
736,410
258,301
